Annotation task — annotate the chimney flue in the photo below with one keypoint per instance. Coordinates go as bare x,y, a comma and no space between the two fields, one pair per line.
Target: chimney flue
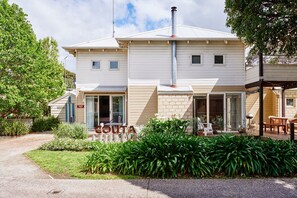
173,18
173,49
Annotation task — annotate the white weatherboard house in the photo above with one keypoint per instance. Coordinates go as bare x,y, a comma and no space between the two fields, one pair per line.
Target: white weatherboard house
179,70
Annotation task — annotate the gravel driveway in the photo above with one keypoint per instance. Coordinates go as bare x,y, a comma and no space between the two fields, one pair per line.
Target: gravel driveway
12,161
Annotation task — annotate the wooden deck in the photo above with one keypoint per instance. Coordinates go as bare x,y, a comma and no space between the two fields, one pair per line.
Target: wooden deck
273,134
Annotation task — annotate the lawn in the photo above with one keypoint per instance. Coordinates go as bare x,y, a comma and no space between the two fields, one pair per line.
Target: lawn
67,164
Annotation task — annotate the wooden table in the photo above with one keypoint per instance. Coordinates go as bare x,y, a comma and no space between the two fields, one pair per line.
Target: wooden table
277,122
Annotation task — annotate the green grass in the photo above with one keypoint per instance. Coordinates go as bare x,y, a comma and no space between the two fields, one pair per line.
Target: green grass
67,164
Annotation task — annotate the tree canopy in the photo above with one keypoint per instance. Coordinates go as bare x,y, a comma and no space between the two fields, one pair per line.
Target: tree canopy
269,26
30,74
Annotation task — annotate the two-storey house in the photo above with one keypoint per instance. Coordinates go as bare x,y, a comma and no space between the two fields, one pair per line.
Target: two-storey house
179,71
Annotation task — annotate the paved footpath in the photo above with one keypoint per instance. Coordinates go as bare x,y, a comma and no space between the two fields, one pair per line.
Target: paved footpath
19,177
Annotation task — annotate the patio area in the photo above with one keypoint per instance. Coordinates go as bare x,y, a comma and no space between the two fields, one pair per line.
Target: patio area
272,134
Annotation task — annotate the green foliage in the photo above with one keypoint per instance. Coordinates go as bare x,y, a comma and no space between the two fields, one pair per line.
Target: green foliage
174,126
30,74
75,131
68,164
156,155
69,144
267,26
281,158
218,122
45,124
103,160
237,155
13,128
166,155
70,79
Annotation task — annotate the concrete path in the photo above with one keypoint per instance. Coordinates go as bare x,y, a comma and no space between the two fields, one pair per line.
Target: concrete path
19,177
210,188
12,161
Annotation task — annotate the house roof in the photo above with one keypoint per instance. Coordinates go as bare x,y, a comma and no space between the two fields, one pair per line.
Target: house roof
68,93
105,43
183,32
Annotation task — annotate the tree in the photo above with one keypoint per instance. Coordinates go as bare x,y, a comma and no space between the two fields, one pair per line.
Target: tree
30,74
268,26
70,79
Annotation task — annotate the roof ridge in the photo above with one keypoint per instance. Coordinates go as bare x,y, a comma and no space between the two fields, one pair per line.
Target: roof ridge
211,30
91,41
144,32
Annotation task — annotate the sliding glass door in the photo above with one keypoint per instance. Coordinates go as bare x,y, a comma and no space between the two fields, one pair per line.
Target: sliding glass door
104,109
223,110
216,111
118,115
234,112
91,111
200,106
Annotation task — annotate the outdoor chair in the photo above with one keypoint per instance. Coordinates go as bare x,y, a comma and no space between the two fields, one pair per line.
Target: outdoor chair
206,130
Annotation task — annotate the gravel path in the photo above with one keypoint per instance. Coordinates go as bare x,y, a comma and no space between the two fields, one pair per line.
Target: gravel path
12,161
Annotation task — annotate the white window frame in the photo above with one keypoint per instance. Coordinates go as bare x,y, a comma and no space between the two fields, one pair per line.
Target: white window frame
194,64
95,68
224,105
219,64
116,68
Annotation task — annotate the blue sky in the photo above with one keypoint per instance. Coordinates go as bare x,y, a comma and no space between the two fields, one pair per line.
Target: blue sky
75,21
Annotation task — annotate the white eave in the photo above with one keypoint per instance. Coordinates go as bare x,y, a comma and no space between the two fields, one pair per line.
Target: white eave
100,88
179,90
106,43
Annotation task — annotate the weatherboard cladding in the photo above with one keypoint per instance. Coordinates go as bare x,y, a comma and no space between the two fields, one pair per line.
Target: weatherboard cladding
104,76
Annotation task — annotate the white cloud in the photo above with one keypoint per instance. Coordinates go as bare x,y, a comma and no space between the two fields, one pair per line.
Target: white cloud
74,21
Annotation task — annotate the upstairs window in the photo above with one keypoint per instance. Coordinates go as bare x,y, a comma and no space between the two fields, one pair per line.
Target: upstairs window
290,102
114,65
196,59
218,59
96,65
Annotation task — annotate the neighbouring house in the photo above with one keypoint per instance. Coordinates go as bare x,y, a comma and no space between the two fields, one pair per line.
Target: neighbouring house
64,107
179,71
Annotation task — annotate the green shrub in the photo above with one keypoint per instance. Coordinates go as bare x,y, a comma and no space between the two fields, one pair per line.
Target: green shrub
237,155
68,144
281,158
75,131
173,126
13,128
164,155
167,155
157,155
45,124
104,159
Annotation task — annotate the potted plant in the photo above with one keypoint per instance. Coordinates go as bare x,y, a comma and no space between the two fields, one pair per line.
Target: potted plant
218,123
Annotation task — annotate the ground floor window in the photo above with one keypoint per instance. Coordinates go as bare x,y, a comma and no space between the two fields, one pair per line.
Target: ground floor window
104,109
223,110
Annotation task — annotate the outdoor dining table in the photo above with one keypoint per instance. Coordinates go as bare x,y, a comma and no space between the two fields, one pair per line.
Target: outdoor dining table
277,122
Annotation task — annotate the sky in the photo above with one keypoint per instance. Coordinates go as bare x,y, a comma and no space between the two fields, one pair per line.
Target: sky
74,21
